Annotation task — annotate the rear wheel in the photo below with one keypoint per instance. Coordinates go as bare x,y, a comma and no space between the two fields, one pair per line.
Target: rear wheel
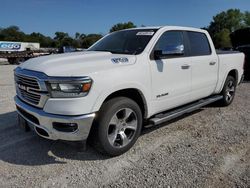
228,91
117,127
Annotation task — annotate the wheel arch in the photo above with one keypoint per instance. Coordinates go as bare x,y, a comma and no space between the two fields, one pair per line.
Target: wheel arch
234,73
132,93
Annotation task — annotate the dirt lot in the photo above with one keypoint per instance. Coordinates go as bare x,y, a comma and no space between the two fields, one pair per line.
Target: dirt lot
208,148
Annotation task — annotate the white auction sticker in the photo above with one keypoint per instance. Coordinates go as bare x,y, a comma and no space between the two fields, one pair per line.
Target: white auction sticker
148,33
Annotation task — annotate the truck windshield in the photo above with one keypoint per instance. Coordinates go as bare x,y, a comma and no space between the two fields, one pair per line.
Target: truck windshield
125,42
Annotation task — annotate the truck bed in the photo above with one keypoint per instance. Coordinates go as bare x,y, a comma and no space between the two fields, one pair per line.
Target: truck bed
221,52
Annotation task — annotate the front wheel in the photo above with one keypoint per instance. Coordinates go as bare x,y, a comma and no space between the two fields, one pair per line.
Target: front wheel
118,126
228,91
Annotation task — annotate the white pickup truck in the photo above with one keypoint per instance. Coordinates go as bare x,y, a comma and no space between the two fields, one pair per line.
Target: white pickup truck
128,79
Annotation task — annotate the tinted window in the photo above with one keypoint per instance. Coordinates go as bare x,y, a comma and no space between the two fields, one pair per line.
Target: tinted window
170,41
125,42
199,44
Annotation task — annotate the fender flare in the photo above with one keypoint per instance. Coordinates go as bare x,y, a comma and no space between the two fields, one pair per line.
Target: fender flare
105,94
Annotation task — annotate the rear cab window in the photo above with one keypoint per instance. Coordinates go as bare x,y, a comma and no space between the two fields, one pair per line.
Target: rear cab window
199,44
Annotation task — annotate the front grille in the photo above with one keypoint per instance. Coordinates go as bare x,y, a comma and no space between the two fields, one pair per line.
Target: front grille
27,81
28,89
31,97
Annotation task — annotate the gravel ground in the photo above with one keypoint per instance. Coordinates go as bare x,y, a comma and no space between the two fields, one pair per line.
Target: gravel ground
208,148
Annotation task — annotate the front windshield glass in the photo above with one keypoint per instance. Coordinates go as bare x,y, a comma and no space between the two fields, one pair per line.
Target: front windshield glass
125,42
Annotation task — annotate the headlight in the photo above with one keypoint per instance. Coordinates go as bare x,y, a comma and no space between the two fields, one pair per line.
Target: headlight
69,88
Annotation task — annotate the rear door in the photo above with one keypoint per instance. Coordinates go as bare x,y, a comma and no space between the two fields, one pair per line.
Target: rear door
204,65
171,76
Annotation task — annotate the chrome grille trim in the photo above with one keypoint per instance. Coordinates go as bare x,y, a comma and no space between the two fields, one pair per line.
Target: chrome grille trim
27,82
30,97
30,87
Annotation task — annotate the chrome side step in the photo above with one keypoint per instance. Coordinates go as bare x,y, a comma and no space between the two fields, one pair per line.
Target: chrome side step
163,117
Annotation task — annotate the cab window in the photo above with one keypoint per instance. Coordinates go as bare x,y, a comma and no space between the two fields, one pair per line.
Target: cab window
171,41
198,43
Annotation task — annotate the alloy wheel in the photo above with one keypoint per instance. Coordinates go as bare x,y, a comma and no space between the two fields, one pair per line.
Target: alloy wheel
122,127
230,90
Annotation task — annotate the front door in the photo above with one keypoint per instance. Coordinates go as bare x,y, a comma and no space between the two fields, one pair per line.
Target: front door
171,74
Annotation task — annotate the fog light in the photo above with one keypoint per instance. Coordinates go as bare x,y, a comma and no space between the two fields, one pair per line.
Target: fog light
65,127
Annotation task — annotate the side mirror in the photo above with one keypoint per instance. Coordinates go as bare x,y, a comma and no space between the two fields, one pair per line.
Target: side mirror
169,51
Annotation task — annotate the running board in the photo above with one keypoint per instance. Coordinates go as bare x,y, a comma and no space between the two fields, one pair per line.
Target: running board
163,117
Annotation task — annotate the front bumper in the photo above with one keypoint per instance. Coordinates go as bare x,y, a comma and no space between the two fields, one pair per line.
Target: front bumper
41,121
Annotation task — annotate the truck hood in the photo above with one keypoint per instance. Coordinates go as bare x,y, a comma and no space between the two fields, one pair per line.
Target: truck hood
78,63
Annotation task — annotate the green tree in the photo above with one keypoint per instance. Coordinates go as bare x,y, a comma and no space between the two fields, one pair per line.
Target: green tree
1,34
231,20
63,39
60,35
78,40
90,39
222,38
82,36
12,33
225,23
38,37
247,18
121,26
77,35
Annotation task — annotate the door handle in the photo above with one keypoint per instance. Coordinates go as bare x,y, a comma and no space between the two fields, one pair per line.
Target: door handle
185,66
212,63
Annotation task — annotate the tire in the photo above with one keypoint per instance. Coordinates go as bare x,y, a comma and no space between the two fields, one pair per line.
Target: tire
117,126
228,91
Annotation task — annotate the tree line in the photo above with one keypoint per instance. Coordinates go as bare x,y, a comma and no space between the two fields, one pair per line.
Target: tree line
79,40
13,33
225,23
220,28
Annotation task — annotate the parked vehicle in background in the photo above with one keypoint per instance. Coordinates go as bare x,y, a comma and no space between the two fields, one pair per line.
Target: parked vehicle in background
17,52
149,74
246,50
7,46
240,37
68,49
241,41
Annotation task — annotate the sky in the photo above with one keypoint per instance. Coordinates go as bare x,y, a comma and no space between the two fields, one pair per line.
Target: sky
98,16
